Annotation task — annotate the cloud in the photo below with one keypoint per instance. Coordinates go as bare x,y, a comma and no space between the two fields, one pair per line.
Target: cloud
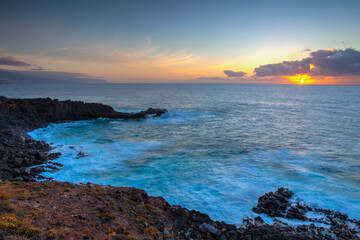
38,68
250,80
210,78
13,76
58,74
231,73
284,68
11,61
148,56
322,62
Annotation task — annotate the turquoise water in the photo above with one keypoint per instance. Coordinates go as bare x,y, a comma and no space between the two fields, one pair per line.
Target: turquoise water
219,147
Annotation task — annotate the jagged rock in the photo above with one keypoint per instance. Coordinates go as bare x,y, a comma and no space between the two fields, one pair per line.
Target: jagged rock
296,213
81,155
157,112
38,169
27,171
18,161
18,179
210,229
179,215
274,204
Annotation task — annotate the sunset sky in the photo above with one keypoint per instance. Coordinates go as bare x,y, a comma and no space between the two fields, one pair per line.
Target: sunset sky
314,42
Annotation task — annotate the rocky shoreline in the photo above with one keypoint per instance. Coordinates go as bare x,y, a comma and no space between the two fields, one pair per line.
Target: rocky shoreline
61,210
18,151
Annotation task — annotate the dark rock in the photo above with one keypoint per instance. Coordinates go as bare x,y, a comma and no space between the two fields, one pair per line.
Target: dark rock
27,171
208,228
18,179
40,155
57,164
179,215
38,169
296,213
81,155
52,167
41,177
53,156
274,204
18,161
258,220
157,112
15,172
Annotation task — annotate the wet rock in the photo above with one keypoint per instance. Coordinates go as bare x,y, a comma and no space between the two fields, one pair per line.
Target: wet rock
53,156
157,112
81,155
296,213
57,164
38,169
275,203
41,177
258,220
52,167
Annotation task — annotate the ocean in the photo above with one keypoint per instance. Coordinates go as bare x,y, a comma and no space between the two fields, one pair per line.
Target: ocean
220,146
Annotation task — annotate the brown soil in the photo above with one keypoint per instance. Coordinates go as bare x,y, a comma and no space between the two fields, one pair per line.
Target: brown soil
61,210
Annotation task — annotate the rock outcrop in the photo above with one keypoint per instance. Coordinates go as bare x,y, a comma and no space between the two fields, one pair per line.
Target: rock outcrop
18,151
36,113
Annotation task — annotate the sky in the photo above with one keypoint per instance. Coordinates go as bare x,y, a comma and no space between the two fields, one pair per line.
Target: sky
313,42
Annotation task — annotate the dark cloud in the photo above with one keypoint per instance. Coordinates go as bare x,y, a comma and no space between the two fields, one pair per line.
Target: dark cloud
231,73
12,76
38,68
209,78
11,61
250,80
307,50
326,62
284,68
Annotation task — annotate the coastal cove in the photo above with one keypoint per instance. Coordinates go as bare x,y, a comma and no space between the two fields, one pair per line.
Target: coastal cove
215,143
148,149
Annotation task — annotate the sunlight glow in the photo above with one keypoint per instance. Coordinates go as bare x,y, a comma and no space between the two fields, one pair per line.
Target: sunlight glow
301,79
312,66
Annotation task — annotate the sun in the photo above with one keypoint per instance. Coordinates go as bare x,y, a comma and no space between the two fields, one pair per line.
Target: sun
301,79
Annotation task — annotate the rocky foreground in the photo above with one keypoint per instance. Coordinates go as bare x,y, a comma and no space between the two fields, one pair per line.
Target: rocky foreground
61,210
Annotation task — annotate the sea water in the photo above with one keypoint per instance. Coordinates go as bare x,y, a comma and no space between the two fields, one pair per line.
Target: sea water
219,147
